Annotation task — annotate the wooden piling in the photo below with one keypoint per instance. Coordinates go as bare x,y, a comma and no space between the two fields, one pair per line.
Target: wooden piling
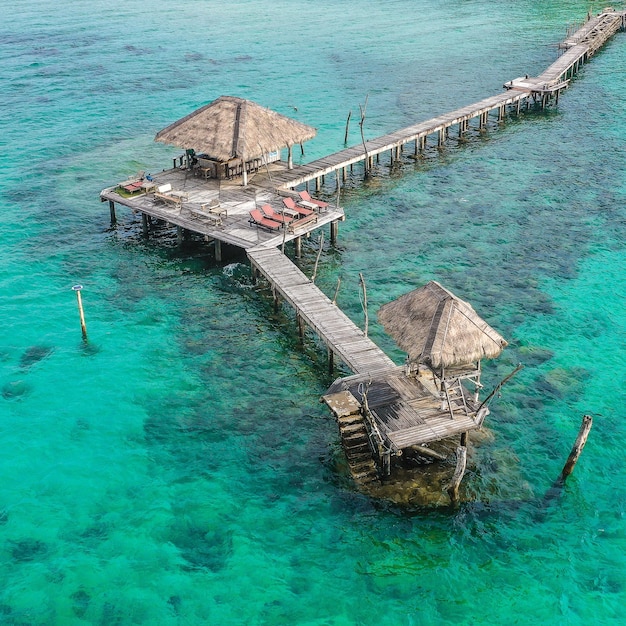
144,225
577,449
112,211
334,231
297,242
218,250
461,462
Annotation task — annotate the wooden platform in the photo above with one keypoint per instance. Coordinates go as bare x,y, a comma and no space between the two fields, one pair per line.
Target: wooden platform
234,227
407,411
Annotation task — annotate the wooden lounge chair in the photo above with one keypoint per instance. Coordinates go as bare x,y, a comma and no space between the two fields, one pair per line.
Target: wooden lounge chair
268,211
166,194
257,218
290,203
311,203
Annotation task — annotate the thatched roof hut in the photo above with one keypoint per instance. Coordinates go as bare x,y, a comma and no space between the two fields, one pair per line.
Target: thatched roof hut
233,128
438,329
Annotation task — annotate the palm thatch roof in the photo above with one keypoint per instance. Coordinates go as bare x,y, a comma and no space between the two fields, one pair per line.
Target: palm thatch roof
436,328
230,127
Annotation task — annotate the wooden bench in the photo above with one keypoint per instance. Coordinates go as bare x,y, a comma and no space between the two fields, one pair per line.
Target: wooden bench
165,193
213,217
301,222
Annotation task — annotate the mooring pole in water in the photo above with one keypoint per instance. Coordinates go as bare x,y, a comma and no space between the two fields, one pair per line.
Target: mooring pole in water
83,328
579,444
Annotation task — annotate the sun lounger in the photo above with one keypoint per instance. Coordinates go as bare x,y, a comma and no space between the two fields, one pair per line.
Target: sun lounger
132,185
307,201
290,203
268,211
257,218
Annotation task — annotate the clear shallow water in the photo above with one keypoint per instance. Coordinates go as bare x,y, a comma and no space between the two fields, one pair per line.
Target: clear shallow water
150,479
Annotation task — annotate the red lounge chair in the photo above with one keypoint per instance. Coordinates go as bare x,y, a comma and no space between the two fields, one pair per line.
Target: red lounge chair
256,217
292,206
306,198
269,212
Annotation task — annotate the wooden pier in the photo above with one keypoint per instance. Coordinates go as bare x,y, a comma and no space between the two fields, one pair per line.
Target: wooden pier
579,47
381,409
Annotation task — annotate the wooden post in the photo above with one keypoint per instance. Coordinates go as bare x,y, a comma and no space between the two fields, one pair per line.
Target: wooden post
297,242
218,250
144,225
289,158
317,183
461,462
276,300
331,361
464,438
179,235
334,230
317,258
300,327
112,211
337,290
345,137
583,433
362,281
81,313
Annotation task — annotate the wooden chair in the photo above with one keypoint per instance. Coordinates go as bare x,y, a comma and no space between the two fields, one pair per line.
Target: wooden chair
167,195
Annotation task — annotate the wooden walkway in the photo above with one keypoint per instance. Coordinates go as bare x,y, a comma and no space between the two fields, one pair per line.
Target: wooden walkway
335,328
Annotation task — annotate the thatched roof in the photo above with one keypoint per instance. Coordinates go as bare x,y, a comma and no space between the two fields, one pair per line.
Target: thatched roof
435,327
229,128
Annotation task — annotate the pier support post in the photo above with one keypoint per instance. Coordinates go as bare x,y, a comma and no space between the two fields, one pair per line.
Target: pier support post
112,212
440,138
331,361
464,438
179,235
297,242
300,327
334,231
276,300
218,250
344,174
317,184
144,225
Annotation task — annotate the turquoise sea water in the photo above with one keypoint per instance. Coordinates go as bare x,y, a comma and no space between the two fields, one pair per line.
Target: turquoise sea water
179,469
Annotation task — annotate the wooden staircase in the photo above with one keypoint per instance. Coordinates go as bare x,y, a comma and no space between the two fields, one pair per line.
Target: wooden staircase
356,445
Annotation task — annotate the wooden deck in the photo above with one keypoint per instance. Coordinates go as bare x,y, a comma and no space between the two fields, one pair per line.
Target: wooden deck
335,328
407,410
234,227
